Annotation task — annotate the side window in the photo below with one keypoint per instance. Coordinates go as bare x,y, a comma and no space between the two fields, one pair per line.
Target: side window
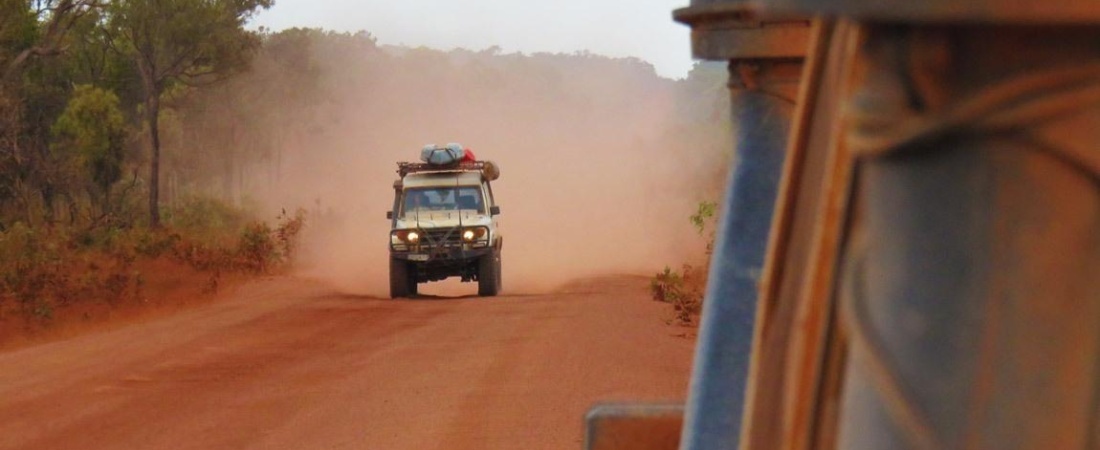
490,200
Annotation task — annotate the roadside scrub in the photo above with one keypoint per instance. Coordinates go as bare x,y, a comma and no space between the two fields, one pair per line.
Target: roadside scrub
47,272
685,289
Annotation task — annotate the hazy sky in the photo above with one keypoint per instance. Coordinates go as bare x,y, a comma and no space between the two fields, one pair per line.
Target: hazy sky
639,28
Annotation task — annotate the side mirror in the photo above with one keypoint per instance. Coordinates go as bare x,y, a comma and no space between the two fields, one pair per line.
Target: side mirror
389,215
494,210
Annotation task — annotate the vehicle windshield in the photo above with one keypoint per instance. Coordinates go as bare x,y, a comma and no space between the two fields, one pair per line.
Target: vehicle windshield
442,199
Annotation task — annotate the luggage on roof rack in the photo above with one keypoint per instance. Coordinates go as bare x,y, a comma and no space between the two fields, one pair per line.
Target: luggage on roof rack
442,156
489,170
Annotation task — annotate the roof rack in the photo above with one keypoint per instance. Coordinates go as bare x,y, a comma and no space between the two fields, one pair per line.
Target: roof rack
405,168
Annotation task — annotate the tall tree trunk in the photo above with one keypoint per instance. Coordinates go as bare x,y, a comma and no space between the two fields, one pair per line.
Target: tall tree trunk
152,117
107,210
49,195
229,170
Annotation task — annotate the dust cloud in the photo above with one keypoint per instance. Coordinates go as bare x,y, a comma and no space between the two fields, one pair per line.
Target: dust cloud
597,177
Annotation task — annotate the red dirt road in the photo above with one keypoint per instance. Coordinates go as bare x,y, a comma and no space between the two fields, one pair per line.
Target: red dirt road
288,363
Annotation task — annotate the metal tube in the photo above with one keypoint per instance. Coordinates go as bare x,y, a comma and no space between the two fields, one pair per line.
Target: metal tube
720,375
765,69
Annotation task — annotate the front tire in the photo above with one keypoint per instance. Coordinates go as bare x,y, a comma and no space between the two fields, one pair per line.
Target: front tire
402,279
488,275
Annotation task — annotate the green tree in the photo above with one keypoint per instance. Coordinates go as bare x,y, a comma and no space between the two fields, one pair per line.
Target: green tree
92,130
35,85
193,42
18,29
48,21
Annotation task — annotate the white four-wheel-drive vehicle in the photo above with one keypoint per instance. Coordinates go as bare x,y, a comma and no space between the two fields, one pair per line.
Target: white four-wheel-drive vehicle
445,223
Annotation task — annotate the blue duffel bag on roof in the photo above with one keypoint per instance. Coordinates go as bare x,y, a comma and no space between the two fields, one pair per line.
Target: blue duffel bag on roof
441,156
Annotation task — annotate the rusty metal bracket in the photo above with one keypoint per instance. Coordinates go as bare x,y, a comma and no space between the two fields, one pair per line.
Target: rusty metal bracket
734,31
948,11
970,314
634,427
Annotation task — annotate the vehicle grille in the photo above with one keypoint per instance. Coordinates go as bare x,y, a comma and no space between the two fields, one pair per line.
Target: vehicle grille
450,237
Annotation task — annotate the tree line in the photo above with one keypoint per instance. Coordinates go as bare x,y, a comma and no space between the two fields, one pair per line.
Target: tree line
84,82
111,109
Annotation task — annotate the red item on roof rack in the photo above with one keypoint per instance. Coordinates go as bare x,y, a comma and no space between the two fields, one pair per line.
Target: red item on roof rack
489,170
469,156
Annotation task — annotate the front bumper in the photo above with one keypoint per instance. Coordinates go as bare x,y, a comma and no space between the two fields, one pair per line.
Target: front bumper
426,254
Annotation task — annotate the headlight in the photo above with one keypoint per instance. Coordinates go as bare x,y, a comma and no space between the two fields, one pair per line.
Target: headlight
474,234
407,236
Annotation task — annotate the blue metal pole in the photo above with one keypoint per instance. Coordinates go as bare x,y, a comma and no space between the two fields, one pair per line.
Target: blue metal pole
765,69
720,376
